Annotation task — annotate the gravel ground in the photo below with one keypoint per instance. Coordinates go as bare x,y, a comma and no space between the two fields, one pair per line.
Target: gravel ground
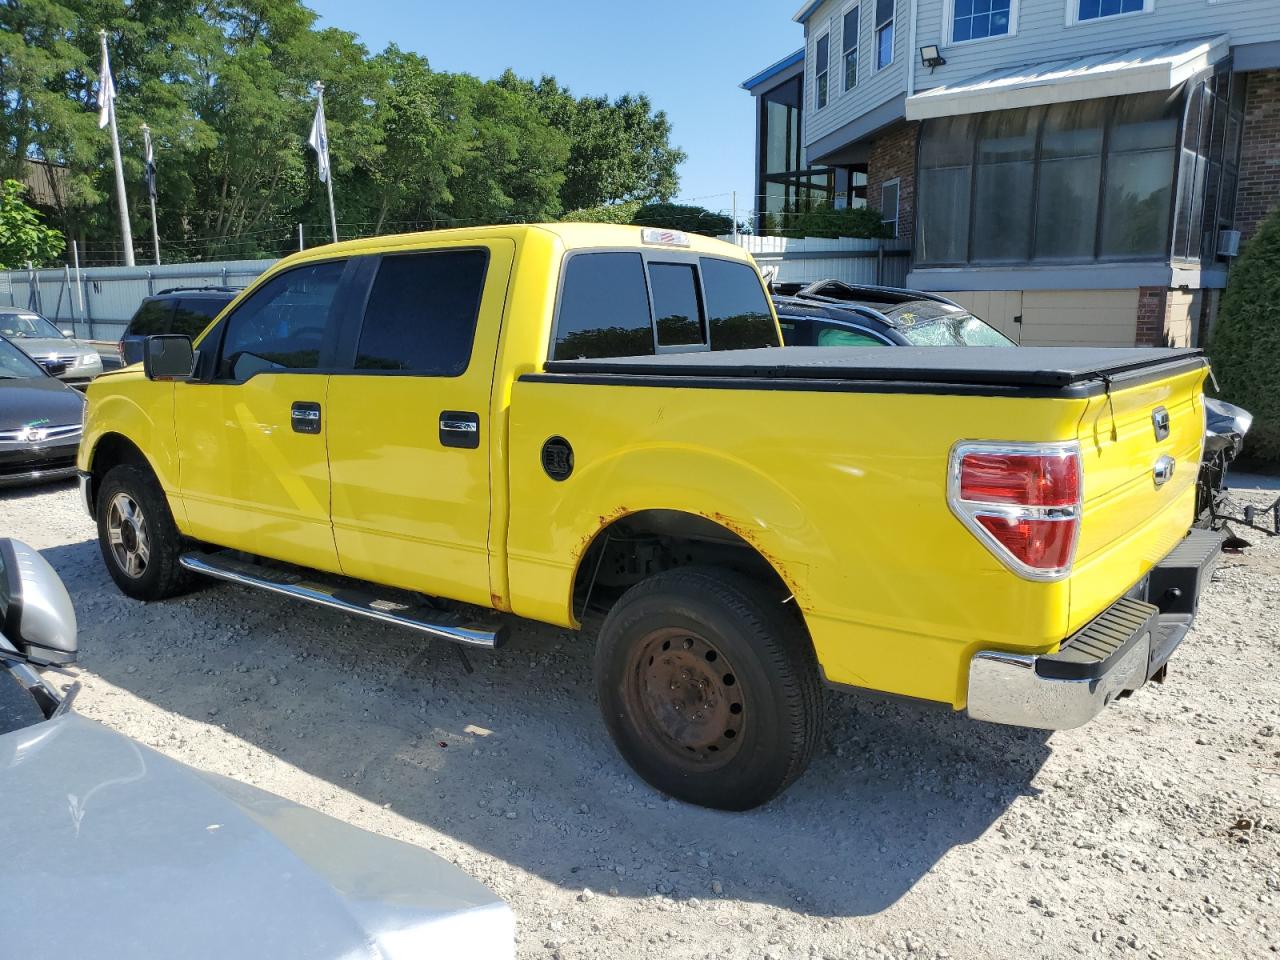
1151,832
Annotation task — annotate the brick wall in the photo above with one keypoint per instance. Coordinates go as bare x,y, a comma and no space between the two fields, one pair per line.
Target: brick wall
893,155
1259,190
1151,317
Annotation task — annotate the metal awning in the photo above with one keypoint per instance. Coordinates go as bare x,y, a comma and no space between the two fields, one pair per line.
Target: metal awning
1161,66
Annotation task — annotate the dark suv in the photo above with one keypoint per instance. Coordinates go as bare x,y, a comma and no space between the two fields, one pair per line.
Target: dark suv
185,310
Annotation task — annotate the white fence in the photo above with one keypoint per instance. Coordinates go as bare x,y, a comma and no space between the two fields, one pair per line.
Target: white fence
101,303
883,262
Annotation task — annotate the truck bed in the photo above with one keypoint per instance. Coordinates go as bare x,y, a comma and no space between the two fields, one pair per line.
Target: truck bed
1039,371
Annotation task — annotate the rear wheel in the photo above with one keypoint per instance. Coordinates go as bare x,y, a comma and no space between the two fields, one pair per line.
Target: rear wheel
709,687
140,543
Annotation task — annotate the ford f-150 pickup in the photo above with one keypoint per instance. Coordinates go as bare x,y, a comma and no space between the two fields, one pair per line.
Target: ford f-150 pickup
564,422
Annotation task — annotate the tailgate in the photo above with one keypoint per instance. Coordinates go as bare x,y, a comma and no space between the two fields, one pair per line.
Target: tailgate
1130,438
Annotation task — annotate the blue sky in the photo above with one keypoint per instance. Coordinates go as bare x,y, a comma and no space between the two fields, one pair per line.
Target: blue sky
689,57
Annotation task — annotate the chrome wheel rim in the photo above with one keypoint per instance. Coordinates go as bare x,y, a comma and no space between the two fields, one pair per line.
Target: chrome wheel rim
127,535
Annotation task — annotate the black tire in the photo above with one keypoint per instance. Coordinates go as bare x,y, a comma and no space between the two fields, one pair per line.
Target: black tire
670,649
160,576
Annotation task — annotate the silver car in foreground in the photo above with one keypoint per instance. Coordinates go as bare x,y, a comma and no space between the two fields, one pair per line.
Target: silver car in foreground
49,346
112,850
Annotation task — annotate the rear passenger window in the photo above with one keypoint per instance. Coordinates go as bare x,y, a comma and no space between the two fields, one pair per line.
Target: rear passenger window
421,316
152,318
192,316
281,325
677,305
835,337
604,308
736,306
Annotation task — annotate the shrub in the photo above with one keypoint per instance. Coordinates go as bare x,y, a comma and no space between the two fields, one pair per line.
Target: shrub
829,222
1244,345
691,219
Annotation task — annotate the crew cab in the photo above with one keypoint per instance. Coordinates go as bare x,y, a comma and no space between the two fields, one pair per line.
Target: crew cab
565,422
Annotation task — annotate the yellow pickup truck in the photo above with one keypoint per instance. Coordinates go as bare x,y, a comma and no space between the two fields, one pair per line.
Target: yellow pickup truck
442,429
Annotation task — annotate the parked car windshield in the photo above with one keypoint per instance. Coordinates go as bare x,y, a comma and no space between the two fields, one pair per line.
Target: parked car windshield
30,325
953,330
16,365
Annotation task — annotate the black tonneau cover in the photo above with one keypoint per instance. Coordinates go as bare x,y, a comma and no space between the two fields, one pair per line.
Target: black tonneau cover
1042,367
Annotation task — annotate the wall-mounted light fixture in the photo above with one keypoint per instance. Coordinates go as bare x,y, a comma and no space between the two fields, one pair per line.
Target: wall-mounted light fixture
931,56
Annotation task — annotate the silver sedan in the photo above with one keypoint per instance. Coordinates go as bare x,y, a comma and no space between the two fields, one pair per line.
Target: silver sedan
52,348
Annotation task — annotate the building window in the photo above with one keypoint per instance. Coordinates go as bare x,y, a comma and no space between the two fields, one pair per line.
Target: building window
849,43
1208,166
788,186
979,19
1086,10
884,33
820,71
1069,183
889,205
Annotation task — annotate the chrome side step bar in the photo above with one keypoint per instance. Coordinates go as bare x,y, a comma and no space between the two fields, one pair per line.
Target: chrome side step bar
488,633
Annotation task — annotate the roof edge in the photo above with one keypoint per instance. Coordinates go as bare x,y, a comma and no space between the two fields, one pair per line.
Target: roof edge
771,71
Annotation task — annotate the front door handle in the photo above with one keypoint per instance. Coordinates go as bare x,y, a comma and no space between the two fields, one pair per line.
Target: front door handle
459,428
304,417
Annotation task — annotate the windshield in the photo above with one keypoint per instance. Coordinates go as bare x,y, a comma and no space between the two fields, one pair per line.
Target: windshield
30,325
16,365
953,330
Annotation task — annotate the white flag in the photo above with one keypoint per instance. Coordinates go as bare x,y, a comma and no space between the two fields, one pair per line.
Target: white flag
319,141
106,91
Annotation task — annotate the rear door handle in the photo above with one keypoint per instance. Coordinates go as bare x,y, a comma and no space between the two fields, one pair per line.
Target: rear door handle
459,428
304,417
1162,472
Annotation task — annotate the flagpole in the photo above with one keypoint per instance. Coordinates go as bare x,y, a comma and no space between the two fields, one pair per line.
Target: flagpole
151,190
328,181
126,234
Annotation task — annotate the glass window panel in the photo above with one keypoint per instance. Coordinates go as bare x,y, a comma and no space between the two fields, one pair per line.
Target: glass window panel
676,304
1002,211
962,27
884,11
152,318
1146,121
822,91
850,35
1006,136
604,308
944,214
948,142
1089,9
821,58
851,69
964,8
884,46
777,153
281,325
1135,207
837,337
1073,129
736,306
192,316
422,311
1067,208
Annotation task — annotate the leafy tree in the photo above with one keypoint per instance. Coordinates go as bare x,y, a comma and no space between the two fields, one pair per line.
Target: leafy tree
692,219
22,236
607,213
1245,343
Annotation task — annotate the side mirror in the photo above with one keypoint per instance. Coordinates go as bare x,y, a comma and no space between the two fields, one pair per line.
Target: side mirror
69,333
36,614
168,356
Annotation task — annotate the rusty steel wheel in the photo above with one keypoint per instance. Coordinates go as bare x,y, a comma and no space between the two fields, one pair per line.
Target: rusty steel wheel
709,686
686,690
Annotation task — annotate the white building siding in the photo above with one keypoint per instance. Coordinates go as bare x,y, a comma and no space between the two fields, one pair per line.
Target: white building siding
1041,32
873,87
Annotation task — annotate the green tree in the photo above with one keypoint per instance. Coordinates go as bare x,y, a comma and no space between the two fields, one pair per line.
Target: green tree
830,222
1244,345
22,236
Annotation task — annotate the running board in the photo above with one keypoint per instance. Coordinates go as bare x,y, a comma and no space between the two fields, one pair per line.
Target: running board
488,633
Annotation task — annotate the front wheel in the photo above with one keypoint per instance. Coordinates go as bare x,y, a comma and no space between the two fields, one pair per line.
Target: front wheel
140,543
709,687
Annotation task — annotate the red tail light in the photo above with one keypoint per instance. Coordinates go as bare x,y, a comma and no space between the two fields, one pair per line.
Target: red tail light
1022,500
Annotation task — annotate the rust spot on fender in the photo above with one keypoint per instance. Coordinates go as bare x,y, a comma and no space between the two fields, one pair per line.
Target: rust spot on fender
498,602
749,534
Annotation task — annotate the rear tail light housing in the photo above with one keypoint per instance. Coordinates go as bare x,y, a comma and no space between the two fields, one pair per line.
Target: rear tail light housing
1022,501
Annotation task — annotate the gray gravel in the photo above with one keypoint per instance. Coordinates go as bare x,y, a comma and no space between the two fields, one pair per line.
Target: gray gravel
1153,832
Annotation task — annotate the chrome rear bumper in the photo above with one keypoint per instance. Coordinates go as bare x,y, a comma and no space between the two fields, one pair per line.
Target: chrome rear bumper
1115,654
